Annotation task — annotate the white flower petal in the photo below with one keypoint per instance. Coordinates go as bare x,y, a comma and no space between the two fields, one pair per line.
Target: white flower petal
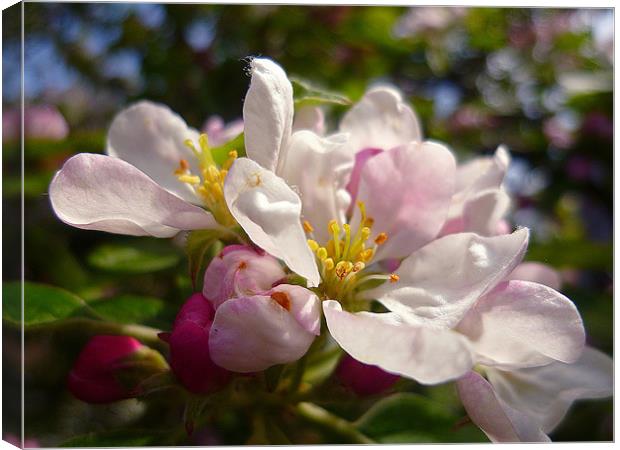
499,421
407,191
309,118
476,176
269,212
428,355
546,393
318,169
268,114
381,119
440,282
150,137
98,192
250,334
538,273
482,214
524,324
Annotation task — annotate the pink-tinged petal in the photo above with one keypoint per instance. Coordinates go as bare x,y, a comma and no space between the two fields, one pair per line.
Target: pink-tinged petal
361,158
270,213
546,393
500,422
428,355
240,270
98,192
219,132
440,282
483,173
318,169
268,114
381,119
538,273
309,118
524,324
250,334
477,176
407,191
304,305
151,137
482,214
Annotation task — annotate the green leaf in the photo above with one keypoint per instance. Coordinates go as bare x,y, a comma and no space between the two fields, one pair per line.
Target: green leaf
128,308
305,93
573,253
197,245
135,257
43,304
220,154
116,438
408,417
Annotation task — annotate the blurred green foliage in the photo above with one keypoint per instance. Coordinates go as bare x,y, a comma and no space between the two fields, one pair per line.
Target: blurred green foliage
537,80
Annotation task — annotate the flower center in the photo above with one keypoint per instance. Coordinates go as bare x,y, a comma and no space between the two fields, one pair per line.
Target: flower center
209,184
346,255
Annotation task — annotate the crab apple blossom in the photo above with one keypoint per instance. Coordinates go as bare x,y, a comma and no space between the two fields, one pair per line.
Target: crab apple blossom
158,178
105,372
257,323
190,359
525,404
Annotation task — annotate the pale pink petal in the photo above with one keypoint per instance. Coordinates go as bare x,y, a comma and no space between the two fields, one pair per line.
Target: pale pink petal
407,191
546,393
268,114
317,169
440,282
240,270
250,334
361,158
476,176
482,214
219,132
428,355
538,273
269,212
500,422
309,118
381,119
151,137
524,324
98,192
304,305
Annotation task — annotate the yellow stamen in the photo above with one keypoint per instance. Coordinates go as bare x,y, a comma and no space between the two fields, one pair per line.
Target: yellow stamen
394,278
329,264
190,179
358,266
314,245
321,253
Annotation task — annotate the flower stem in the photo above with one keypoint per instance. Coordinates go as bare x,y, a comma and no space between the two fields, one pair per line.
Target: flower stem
325,419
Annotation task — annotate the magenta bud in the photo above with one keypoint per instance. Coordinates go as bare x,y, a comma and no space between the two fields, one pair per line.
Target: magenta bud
93,378
363,379
240,270
190,359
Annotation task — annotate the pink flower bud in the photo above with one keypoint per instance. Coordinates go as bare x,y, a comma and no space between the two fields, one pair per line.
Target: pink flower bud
240,270
93,378
190,358
364,379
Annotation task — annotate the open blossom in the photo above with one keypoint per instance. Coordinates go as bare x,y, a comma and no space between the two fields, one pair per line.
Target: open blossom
158,178
258,323
524,404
